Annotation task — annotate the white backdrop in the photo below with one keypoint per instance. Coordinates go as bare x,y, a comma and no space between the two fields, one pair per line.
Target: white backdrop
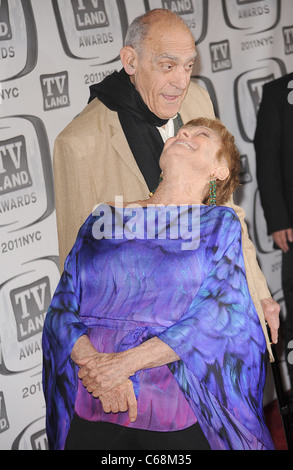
51,51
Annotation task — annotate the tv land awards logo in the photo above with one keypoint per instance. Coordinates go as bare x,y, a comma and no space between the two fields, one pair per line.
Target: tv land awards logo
32,437
55,90
255,86
245,173
91,28
18,39
95,29
288,39
253,16
248,90
5,26
290,93
14,170
4,423
180,7
29,305
24,301
26,175
88,14
193,12
206,83
220,56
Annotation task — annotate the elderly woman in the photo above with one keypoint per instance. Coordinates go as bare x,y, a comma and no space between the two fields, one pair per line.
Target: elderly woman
152,340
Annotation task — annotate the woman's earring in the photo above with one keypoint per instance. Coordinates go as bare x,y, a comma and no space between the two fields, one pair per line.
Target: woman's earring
151,193
213,191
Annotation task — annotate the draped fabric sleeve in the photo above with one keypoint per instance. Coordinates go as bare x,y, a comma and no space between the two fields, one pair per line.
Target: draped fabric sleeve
222,347
62,328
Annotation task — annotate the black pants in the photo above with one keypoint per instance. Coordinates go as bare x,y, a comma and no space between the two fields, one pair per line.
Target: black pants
87,435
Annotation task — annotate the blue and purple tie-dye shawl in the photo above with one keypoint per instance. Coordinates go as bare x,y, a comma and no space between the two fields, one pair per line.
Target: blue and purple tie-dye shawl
195,300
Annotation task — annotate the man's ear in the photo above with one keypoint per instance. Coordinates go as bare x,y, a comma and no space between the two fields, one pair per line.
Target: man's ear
221,172
128,58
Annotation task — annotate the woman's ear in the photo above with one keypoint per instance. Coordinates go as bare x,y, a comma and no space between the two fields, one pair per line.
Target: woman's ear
128,59
221,172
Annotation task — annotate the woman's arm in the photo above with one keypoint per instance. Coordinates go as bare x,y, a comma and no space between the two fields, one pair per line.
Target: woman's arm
82,348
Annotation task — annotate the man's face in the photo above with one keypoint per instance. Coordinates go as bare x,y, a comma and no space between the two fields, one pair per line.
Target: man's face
163,71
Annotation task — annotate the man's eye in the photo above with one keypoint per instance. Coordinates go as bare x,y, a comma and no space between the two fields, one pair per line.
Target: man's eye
168,66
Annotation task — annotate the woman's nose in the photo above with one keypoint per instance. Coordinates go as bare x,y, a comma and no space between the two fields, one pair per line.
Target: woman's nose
184,132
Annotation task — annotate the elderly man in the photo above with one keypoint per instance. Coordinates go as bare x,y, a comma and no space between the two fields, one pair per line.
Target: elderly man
113,147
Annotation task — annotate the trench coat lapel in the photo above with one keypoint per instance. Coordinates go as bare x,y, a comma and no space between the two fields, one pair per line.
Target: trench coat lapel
120,144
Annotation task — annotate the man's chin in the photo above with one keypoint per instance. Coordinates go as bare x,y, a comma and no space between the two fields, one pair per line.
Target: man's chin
169,111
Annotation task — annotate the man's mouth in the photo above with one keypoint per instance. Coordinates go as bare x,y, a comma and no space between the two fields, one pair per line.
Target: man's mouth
171,98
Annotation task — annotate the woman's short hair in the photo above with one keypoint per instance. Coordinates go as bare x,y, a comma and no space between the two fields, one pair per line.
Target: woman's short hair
228,152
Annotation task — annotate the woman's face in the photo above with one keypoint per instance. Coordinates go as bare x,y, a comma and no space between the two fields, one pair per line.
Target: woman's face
195,146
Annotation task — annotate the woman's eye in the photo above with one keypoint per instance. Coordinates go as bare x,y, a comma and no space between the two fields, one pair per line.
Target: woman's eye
206,134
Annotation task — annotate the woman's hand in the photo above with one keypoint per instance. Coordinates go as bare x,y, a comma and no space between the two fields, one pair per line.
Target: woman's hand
102,372
120,399
114,398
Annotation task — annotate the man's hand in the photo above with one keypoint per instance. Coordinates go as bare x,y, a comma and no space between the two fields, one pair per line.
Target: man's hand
120,399
281,238
271,310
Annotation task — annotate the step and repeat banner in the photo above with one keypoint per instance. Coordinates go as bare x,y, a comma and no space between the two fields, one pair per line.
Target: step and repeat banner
51,51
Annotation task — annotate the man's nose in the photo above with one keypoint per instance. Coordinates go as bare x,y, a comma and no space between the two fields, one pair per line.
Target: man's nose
180,78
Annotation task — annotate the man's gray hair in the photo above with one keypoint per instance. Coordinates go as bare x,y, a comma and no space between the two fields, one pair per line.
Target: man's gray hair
136,33
139,28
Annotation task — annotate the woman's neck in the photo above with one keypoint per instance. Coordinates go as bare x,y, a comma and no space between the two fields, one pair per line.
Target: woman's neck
179,191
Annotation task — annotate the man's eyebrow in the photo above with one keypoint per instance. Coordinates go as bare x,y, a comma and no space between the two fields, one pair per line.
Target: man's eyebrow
166,55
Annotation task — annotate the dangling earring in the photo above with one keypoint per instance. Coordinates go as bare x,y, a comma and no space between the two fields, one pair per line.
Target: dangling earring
213,191
151,193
